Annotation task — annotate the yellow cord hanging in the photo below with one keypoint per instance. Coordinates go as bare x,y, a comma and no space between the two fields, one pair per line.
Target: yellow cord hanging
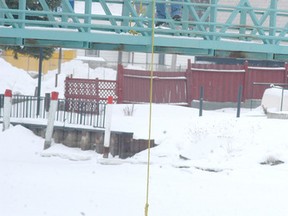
150,109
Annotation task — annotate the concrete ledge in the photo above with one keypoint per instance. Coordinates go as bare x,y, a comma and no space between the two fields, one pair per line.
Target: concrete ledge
122,144
277,115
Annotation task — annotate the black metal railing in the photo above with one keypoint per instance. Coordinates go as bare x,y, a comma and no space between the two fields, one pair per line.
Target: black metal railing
69,111
26,107
83,112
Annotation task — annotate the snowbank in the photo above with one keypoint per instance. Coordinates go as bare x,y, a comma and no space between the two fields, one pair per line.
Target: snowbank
275,99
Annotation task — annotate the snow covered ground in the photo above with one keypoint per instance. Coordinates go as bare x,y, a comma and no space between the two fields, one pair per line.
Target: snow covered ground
214,165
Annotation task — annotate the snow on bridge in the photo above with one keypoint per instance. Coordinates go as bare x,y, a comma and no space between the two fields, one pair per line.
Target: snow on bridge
244,28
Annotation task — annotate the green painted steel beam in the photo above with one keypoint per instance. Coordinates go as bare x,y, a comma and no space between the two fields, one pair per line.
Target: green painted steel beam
205,29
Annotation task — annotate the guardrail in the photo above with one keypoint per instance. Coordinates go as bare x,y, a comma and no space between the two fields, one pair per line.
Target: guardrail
84,113
210,28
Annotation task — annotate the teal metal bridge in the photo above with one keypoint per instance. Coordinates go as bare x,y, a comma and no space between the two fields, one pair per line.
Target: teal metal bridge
215,28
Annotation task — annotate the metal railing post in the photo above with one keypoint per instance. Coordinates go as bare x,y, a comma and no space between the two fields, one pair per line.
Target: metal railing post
201,100
239,100
39,80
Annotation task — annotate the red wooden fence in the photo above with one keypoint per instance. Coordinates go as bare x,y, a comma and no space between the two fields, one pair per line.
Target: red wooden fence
220,83
84,95
90,89
263,75
168,87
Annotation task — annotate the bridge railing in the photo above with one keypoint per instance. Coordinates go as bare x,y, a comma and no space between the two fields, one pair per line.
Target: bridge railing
213,18
221,27
69,112
209,19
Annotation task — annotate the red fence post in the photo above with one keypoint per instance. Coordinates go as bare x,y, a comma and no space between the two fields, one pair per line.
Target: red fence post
97,90
246,82
286,73
66,86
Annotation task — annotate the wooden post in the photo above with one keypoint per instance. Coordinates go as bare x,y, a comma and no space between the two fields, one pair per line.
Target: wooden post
51,118
7,109
108,119
120,83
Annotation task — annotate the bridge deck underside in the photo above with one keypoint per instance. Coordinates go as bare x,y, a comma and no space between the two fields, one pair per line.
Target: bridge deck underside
208,28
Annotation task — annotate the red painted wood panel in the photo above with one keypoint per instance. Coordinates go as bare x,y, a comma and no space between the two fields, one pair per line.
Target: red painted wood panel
263,75
220,83
168,87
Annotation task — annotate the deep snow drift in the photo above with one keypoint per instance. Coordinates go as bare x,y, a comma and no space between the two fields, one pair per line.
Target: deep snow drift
207,165
214,165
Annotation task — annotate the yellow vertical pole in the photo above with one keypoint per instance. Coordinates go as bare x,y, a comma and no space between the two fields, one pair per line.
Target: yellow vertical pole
150,109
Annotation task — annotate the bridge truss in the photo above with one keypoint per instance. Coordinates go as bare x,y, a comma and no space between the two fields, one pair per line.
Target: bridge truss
215,28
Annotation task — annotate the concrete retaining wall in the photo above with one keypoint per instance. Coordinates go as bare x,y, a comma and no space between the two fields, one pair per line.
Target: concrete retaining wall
121,144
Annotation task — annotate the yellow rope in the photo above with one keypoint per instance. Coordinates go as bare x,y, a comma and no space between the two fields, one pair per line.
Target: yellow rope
150,109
